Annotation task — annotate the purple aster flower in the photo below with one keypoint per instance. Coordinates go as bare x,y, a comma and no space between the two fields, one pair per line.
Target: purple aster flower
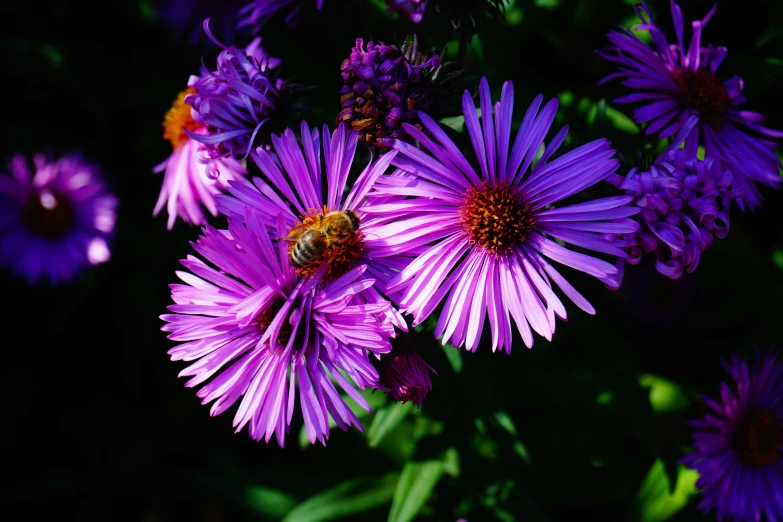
185,16
684,205
257,331
739,444
386,86
406,376
413,10
676,82
304,193
240,103
54,219
186,185
483,241
258,12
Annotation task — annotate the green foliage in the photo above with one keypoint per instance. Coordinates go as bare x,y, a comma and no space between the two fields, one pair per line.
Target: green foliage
416,483
385,420
350,497
665,395
656,500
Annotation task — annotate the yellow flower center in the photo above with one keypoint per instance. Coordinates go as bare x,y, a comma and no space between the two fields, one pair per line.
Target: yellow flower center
495,217
177,119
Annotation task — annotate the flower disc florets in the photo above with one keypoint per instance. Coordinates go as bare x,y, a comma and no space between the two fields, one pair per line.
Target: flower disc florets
386,86
495,217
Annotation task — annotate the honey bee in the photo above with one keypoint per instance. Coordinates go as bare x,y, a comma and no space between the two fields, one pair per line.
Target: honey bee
312,241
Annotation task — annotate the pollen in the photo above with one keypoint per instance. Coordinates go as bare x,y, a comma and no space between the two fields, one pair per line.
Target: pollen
495,217
705,93
759,438
265,318
340,256
177,119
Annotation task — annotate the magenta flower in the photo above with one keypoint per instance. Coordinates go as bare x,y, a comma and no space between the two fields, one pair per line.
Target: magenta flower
483,241
303,193
413,10
684,204
238,103
186,185
406,376
257,332
386,86
676,82
258,12
55,219
739,444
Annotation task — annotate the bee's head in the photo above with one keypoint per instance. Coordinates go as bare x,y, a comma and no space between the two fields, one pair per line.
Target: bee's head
354,218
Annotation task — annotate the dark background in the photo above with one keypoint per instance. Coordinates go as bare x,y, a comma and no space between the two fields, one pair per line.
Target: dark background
96,424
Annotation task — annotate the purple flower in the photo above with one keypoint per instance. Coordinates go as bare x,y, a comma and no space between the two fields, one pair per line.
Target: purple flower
239,103
483,241
413,10
258,12
54,219
684,205
739,444
303,193
406,376
386,86
676,82
186,185
257,331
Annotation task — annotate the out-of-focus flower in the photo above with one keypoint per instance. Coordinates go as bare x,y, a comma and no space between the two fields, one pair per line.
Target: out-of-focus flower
676,82
186,185
739,443
55,219
413,10
684,204
240,103
257,332
483,241
258,12
386,86
185,16
304,194
406,376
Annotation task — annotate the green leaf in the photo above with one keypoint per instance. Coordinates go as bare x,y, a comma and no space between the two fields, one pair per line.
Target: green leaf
621,122
416,483
655,500
348,498
455,122
269,502
386,420
665,396
454,355
777,258
373,398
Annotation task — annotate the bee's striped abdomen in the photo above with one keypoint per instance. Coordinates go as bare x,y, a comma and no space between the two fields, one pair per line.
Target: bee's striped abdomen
309,248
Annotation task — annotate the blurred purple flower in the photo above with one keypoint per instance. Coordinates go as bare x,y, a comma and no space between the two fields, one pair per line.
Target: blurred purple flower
55,219
237,102
406,376
410,9
302,193
258,12
739,444
386,86
678,81
185,16
482,241
684,204
186,185
257,331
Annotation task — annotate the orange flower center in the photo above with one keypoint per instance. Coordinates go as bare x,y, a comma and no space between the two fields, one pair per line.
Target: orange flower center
759,438
340,254
706,94
495,217
178,119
